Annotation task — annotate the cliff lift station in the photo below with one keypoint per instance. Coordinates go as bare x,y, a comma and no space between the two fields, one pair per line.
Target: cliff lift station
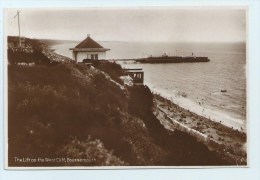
88,49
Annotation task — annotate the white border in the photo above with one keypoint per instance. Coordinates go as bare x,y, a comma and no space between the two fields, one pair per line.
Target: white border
253,99
117,167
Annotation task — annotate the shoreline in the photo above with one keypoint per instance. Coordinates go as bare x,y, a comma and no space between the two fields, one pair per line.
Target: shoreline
229,143
50,52
213,115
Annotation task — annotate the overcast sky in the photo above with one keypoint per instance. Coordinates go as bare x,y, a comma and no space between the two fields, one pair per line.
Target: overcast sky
136,24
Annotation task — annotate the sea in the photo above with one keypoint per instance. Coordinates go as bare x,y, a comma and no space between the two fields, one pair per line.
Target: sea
193,86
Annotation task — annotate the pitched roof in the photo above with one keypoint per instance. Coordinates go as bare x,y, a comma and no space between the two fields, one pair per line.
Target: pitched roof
88,43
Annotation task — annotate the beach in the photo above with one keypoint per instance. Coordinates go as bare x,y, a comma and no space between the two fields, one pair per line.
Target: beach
230,143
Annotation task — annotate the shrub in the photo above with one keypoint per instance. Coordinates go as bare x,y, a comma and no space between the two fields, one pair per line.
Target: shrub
113,69
89,152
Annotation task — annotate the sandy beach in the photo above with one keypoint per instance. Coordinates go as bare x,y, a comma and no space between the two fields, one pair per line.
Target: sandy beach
228,142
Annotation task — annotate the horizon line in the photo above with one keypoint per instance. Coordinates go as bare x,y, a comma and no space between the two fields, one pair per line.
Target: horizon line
160,41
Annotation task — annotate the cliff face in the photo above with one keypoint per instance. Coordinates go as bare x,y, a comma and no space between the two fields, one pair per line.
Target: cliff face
57,111
75,111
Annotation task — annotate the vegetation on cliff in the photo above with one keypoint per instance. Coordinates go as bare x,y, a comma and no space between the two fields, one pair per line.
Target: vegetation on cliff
50,105
15,57
73,111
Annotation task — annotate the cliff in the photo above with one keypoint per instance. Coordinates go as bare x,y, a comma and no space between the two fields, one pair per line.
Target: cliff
83,116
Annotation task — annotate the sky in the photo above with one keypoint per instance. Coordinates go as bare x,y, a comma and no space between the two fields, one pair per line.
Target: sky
191,24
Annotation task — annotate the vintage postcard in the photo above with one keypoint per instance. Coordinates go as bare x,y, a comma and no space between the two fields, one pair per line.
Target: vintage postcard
150,87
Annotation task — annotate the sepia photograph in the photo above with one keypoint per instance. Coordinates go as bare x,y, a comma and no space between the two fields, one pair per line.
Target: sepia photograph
132,87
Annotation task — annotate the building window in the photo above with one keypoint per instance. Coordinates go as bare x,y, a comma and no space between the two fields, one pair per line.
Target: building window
96,56
92,56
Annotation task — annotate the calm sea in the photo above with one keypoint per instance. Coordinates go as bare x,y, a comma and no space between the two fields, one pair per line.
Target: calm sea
194,86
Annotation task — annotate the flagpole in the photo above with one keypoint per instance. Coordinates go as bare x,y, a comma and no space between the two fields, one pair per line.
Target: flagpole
20,44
